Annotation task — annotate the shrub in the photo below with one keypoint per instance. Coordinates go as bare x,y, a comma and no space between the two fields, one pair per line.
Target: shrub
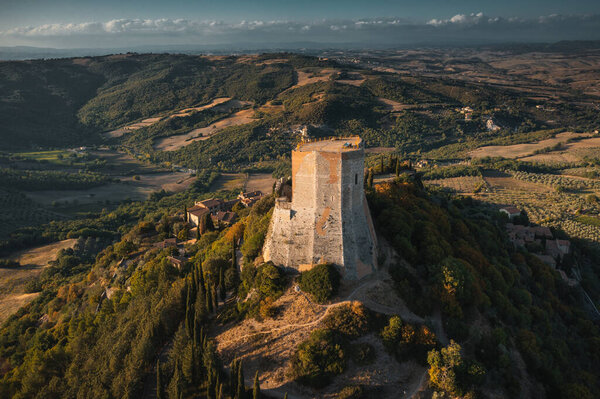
352,392
322,282
318,359
9,263
363,353
351,320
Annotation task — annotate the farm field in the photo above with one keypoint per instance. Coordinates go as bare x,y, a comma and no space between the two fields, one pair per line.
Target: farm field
246,182
217,104
537,195
17,210
129,188
181,140
13,281
260,182
229,181
460,185
564,148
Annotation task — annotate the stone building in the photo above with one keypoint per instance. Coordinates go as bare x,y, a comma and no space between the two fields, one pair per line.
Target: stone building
327,219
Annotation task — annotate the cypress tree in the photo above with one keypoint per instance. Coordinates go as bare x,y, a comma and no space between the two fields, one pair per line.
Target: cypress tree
209,387
381,164
216,386
209,302
201,284
177,379
370,179
241,387
256,387
234,256
198,232
397,167
222,290
185,214
159,388
233,377
215,299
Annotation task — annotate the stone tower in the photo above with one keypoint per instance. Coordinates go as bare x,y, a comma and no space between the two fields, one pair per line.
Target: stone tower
328,218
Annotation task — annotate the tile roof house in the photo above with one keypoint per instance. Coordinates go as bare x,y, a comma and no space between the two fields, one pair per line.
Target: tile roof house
167,243
249,198
510,211
224,218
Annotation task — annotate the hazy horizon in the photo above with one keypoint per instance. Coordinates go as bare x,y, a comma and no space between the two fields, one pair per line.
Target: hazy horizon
68,24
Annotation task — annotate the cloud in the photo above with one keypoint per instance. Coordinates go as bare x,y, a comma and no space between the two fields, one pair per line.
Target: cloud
460,28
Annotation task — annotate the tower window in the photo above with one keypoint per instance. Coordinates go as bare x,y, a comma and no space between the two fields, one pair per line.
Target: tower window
356,178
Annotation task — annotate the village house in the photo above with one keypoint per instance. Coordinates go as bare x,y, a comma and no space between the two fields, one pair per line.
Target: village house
195,214
422,163
177,261
558,248
167,243
510,211
224,218
491,125
249,198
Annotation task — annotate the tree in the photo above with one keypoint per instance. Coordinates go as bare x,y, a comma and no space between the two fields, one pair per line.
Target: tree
159,388
206,223
175,386
381,167
241,387
397,167
198,232
322,282
370,179
256,387
222,290
185,214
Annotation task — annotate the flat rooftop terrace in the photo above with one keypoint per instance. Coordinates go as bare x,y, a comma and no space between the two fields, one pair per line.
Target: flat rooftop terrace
331,145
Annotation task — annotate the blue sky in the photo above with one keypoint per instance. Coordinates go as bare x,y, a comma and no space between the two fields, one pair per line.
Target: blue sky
85,23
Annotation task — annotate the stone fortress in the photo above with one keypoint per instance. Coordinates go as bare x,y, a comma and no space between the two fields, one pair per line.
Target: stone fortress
327,219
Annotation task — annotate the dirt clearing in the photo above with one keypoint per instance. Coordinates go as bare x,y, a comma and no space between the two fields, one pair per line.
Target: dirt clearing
13,281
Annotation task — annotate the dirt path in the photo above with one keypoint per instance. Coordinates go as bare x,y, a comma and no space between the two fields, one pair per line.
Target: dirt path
405,314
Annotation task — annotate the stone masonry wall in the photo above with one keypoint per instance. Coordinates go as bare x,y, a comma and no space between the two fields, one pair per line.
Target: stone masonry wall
328,219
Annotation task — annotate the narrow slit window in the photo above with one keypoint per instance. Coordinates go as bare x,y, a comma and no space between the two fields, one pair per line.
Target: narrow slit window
356,178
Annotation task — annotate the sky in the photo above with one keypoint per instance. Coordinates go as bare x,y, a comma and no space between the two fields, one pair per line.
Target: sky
130,23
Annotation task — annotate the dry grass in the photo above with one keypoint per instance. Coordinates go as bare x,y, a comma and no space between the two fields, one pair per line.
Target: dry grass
522,150
260,181
229,181
394,106
568,152
221,104
306,78
176,142
13,281
357,79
